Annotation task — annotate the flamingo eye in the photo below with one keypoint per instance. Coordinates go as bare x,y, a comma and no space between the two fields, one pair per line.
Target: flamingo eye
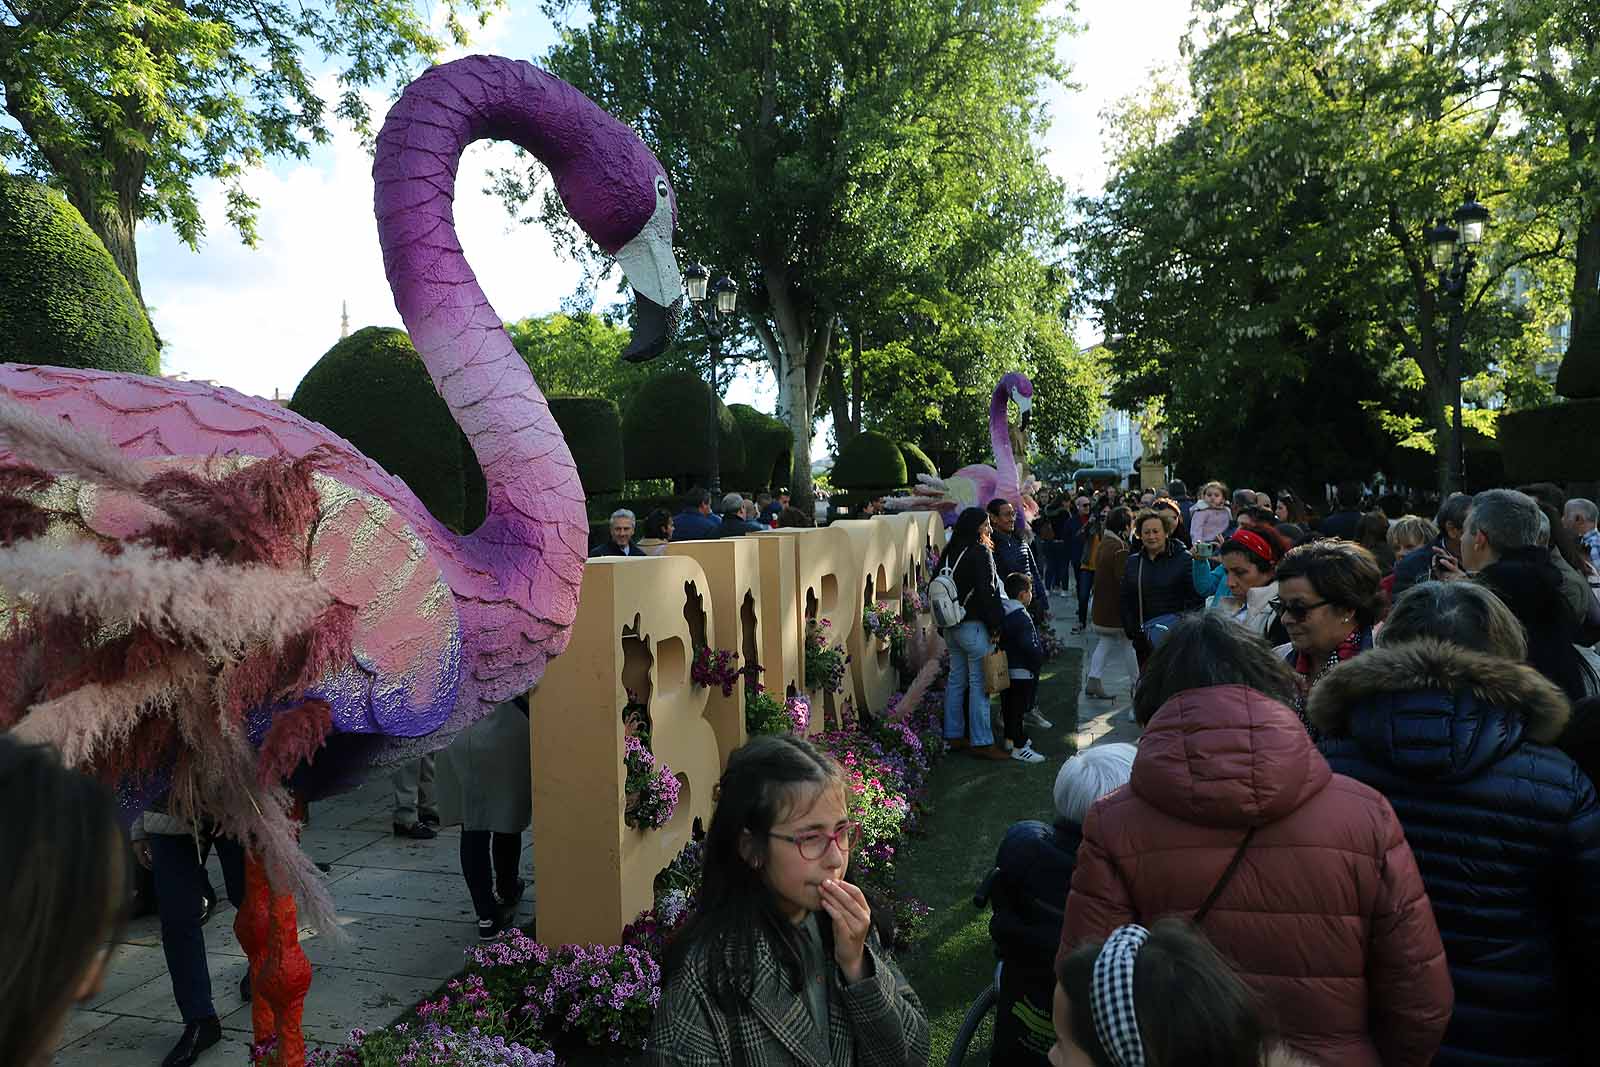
661,187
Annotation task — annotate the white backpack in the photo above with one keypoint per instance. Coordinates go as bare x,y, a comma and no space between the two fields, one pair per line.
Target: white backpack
949,607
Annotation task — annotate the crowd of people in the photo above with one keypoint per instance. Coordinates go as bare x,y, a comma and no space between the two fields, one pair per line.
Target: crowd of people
1358,826
736,516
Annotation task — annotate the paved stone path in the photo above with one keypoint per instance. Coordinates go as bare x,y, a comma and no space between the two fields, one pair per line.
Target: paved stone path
403,904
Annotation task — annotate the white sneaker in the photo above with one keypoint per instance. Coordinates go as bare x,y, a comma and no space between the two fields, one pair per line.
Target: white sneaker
1033,718
1026,754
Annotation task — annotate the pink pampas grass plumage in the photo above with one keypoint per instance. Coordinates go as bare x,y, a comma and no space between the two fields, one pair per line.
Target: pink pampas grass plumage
53,444
217,608
933,649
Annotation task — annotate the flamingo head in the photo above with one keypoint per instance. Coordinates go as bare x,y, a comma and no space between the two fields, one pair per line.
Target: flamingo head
1020,389
618,194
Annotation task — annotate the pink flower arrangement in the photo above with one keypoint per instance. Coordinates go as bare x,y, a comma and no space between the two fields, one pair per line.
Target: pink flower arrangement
718,667
651,788
798,709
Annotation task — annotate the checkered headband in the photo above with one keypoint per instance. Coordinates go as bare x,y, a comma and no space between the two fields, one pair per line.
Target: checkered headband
1111,996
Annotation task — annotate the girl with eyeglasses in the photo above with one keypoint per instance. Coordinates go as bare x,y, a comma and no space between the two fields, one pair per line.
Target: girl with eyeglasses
781,963
1330,602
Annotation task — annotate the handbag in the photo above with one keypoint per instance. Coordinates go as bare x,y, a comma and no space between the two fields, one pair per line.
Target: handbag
996,673
1227,876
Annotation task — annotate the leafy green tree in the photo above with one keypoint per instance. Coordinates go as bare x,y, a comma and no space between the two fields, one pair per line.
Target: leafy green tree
826,154
124,106
1547,55
1270,214
577,354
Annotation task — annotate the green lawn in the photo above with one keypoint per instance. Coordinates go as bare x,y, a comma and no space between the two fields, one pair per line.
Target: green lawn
973,803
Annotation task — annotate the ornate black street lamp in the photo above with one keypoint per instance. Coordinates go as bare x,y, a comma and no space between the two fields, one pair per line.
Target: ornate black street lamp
716,320
1453,253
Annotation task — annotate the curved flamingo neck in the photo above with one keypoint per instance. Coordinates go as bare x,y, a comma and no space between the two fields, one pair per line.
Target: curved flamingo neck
535,501
1000,440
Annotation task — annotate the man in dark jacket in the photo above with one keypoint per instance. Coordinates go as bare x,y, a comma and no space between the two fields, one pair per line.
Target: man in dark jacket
621,542
1417,566
1499,547
1343,522
1012,555
734,524
1179,492
695,522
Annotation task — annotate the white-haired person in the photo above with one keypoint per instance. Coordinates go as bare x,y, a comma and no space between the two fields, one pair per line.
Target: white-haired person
620,543
1033,869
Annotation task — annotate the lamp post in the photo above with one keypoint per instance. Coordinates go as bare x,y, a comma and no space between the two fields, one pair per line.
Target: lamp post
716,321
1453,253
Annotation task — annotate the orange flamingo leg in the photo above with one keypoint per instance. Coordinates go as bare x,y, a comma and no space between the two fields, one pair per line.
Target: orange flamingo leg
280,973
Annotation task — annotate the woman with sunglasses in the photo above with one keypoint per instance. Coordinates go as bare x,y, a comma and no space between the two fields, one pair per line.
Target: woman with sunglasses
781,963
1329,600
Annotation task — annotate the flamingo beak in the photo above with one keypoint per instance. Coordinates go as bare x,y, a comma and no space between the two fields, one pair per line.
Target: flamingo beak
1024,403
652,269
654,327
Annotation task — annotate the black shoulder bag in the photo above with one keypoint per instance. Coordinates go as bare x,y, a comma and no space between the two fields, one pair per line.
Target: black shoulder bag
1227,876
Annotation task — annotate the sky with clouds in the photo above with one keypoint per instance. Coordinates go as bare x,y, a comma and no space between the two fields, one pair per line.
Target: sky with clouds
257,319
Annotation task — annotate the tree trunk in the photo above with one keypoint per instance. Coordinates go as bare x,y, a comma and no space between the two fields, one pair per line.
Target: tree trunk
1579,376
114,225
844,430
797,340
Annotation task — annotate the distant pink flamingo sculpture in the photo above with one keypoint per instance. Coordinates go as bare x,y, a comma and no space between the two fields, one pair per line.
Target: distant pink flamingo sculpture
445,625
977,484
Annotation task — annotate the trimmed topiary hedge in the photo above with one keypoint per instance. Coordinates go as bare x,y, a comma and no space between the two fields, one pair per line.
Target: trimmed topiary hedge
664,431
870,461
767,448
917,462
1554,443
372,389
593,429
62,300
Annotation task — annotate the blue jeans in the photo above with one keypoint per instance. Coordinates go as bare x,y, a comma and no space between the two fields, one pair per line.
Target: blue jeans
180,880
966,705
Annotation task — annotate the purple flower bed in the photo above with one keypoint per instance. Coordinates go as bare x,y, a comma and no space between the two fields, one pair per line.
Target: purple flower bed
517,997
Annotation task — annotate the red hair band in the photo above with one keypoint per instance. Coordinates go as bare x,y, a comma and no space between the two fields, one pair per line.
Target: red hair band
1253,541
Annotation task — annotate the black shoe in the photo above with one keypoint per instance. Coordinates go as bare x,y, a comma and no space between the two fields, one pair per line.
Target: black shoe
325,868
244,987
197,1037
509,901
429,817
489,929
417,831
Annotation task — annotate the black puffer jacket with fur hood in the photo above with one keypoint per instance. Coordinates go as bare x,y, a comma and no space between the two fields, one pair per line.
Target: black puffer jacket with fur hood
1504,827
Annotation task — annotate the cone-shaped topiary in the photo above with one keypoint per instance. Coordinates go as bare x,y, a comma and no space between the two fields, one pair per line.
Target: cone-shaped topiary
917,462
664,431
62,300
767,447
870,461
593,429
372,389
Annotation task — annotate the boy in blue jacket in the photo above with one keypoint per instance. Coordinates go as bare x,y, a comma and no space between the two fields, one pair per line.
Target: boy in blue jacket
1019,640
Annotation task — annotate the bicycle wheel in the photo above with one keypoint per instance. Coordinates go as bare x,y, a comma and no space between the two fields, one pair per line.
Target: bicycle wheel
969,1026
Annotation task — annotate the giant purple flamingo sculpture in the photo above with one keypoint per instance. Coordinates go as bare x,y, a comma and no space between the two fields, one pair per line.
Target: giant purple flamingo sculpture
977,484
446,625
